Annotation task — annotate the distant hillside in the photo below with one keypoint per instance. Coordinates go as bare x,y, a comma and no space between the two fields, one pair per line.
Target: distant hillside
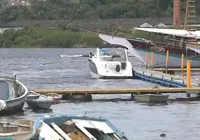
87,9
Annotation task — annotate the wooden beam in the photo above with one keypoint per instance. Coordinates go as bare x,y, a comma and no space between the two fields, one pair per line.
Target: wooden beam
116,91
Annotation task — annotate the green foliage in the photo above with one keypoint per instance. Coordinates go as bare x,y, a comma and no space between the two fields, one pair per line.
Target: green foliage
48,37
81,9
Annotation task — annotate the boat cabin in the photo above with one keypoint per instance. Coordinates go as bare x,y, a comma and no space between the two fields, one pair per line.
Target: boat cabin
111,53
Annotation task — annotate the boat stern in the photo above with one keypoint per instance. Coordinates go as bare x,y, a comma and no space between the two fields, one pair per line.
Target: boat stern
115,69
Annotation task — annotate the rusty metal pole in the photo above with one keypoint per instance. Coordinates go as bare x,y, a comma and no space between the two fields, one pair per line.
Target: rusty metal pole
176,12
186,15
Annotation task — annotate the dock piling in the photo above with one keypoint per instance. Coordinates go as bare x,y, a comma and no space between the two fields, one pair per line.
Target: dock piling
152,60
188,77
146,60
167,61
182,63
188,74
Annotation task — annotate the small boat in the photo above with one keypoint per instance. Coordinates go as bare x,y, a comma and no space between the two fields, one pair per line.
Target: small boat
16,131
110,61
75,127
56,97
39,102
13,95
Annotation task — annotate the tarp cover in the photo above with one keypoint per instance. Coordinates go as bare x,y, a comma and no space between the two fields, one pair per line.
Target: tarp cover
173,32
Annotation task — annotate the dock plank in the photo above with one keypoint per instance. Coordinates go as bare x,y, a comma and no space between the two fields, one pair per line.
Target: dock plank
117,91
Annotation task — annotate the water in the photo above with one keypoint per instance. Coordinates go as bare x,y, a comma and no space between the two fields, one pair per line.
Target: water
44,68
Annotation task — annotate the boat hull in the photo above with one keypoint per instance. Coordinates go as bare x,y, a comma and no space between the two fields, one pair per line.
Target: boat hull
59,127
39,102
17,136
174,60
12,108
99,72
14,105
39,105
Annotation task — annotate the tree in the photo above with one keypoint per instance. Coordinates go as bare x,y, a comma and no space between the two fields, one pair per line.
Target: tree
81,9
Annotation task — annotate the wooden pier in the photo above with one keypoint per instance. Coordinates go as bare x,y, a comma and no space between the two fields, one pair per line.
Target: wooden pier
117,91
173,83
177,83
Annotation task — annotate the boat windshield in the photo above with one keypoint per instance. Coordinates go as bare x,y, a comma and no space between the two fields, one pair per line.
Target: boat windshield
112,54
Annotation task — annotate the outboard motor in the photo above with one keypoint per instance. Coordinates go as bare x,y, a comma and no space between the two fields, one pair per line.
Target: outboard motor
117,68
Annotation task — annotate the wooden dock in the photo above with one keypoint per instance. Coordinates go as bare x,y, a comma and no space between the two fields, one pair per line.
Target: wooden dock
177,84
117,91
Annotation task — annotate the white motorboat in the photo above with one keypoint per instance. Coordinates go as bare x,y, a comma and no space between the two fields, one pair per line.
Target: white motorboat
110,61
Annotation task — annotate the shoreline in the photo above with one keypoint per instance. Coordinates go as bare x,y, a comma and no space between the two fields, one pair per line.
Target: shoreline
44,37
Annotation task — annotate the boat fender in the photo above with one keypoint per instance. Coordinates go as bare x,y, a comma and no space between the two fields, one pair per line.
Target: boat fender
117,68
2,104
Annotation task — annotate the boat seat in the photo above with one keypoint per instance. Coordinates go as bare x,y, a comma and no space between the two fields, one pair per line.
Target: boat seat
4,90
77,135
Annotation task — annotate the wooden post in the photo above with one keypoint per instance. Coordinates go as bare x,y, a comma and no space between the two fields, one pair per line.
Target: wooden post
152,60
182,64
167,61
146,60
188,74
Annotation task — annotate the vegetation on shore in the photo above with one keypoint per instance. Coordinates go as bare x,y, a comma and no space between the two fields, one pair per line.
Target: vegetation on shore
89,9
62,37
48,37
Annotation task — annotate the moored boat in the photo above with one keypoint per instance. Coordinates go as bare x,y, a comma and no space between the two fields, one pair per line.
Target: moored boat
13,95
74,127
176,41
16,131
56,97
160,50
110,61
39,102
